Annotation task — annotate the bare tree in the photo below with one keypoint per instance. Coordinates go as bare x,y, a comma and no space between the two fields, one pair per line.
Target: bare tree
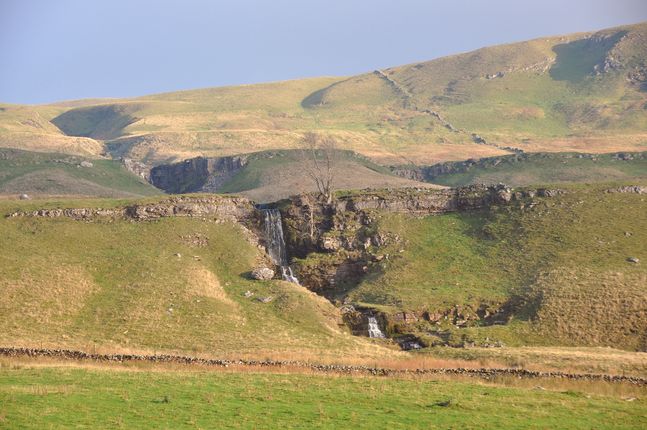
319,156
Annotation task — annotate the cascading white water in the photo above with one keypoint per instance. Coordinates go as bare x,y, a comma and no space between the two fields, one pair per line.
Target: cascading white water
286,273
374,329
276,243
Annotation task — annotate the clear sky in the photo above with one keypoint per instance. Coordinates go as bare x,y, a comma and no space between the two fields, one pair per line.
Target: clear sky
68,49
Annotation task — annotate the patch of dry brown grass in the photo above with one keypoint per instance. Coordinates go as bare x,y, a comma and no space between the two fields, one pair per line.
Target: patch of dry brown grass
48,298
204,283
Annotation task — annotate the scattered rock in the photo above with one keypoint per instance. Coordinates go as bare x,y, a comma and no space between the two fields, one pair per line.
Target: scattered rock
248,294
86,164
265,299
262,273
178,255
546,192
347,308
633,260
637,189
502,193
196,240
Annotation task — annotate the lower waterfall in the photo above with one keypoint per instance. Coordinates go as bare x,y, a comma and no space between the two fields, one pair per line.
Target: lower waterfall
374,329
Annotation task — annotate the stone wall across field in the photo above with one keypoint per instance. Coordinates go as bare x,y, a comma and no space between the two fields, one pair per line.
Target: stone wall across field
485,373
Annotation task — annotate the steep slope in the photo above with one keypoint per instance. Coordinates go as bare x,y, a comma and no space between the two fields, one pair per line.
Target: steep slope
583,92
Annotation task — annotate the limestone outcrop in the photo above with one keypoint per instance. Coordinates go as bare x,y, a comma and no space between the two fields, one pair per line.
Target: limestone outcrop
196,174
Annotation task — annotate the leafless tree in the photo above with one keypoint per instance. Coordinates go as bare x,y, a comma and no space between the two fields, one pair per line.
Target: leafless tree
320,156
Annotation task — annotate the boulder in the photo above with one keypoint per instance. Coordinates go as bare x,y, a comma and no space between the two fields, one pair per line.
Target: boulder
24,197
330,243
262,273
633,260
86,164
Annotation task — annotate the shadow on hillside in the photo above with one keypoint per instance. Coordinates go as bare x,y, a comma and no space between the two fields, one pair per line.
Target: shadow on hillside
576,60
98,122
317,98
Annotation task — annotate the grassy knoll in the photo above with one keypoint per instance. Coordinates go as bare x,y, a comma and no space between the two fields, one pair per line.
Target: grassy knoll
560,267
275,175
65,397
532,169
37,173
119,285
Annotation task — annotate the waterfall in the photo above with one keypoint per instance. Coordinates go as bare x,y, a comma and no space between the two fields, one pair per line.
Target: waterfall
374,329
276,243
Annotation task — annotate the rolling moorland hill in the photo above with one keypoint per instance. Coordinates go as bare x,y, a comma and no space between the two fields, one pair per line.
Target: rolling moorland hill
583,92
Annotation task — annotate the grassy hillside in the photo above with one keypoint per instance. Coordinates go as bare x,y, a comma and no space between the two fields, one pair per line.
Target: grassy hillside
269,177
559,269
582,92
546,168
174,284
555,271
41,174
65,397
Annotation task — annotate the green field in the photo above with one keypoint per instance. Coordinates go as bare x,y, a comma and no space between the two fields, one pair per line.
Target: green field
67,397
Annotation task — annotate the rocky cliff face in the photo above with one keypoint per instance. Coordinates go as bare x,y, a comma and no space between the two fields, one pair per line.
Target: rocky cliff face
216,207
337,245
196,174
346,234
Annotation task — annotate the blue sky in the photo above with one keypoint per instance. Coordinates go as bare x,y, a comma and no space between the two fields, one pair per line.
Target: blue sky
68,49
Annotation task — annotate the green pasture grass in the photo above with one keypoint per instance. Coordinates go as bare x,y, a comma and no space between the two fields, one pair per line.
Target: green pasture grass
67,397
